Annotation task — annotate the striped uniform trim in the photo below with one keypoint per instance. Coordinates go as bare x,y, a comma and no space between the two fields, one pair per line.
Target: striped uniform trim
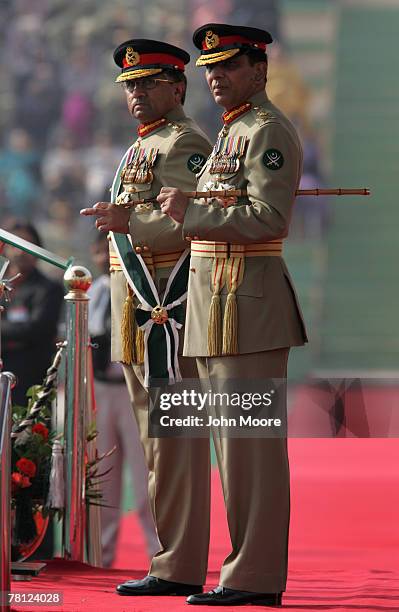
158,260
218,275
162,260
114,264
224,250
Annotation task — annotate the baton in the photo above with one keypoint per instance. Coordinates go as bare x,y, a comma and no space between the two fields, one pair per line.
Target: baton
232,193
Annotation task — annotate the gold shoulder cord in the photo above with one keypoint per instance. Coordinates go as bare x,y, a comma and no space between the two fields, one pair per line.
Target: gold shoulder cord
177,127
262,115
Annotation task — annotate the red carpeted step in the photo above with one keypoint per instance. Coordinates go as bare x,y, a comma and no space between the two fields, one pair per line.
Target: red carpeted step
344,538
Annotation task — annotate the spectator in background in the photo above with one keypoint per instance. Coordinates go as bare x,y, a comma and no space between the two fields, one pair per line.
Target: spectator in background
79,82
100,160
63,169
114,422
29,322
37,103
60,228
19,174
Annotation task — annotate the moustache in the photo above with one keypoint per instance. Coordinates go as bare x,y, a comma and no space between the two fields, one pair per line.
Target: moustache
218,86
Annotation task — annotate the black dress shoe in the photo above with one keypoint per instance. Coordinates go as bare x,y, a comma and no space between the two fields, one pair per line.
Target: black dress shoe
230,597
151,585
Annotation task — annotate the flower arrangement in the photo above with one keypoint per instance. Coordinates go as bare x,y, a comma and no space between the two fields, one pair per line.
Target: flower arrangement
32,452
30,469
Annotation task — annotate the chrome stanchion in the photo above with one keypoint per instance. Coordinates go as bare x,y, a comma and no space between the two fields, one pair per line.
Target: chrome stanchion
93,527
77,280
7,381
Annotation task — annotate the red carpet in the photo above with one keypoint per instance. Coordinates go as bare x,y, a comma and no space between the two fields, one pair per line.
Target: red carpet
344,539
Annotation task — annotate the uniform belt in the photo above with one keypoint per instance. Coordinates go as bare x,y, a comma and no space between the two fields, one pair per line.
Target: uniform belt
158,260
225,250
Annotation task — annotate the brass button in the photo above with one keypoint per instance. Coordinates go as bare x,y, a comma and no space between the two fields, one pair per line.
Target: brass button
146,248
137,249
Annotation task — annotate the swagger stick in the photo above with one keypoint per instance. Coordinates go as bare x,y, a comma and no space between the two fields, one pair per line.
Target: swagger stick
232,193
337,192
225,193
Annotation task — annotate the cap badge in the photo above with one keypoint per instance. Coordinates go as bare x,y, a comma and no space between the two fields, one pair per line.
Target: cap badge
211,40
132,57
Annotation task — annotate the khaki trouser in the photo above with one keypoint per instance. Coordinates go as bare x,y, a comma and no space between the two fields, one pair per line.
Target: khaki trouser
255,480
116,428
178,488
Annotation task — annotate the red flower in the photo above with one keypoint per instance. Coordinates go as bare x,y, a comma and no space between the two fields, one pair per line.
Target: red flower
27,467
40,429
19,481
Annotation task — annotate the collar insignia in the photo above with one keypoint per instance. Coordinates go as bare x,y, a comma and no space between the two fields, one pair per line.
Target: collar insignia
146,128
233,114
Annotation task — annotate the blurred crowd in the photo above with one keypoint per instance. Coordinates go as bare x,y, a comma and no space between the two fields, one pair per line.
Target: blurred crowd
63,121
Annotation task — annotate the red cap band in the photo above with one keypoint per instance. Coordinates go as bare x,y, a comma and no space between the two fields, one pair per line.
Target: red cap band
147,59
226,41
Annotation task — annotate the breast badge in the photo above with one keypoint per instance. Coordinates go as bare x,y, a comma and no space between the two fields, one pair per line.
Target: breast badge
224,201
145,207
123,198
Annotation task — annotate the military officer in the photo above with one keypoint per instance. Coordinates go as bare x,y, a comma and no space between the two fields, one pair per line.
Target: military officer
170,150
240,291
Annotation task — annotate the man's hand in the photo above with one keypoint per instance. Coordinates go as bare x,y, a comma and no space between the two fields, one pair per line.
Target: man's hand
173,203
110,217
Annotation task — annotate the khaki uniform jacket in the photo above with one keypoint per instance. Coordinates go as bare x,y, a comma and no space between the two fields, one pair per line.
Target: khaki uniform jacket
269,315
182,148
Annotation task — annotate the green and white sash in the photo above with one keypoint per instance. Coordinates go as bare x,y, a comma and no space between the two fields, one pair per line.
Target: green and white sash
159,320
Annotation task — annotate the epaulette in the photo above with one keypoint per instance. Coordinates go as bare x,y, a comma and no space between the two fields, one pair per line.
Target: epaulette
262,116
177,127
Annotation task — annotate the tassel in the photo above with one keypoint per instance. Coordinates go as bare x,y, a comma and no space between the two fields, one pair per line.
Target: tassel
215,327
127,329
139,345
234,276
56,489
230,326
